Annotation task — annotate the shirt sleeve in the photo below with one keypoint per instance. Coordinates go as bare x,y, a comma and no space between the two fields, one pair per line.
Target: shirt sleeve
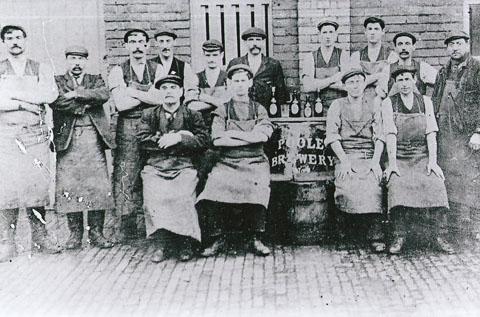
115,78
308,66
218,126
377,125
264,126
428,73
344,60
333,124
388,122
48,89
430,116
190,81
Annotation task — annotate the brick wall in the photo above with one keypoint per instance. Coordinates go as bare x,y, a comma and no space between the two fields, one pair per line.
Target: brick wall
428,20
120,15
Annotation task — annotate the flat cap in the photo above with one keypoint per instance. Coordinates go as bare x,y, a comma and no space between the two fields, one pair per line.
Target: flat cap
403,69
352,73
174,79
166,31
374,20
239,68
212,45
129,32
407,34
76,50
327,22
257,32
455,35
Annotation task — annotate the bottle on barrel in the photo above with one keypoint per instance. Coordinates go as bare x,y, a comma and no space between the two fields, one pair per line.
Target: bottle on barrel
273,109
307,110
318,108
294,106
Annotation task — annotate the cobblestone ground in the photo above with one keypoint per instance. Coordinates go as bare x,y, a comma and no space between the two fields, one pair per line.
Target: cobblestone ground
293,281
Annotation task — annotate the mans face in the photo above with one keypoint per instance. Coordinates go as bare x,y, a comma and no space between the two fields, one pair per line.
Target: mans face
170,93
404,47
457,49
328,35
240,83
15,42
213,59
76,64
137,45
165,45
355,86
374,33
405,83
254,45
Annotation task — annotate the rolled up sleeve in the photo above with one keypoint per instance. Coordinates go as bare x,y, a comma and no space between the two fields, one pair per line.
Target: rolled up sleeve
333,124
430,116
388,123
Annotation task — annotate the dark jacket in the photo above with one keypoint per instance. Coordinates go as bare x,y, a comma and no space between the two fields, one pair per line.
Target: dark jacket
154,124
468,97
269,74
93,93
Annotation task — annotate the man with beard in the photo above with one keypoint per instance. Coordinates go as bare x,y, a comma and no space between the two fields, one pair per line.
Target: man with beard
131,84
168,63
455,98
25,175
81,135
404,47
267,71
321,69
374,58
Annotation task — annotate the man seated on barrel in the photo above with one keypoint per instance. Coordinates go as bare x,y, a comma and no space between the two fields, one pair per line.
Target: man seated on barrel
171,134
240,180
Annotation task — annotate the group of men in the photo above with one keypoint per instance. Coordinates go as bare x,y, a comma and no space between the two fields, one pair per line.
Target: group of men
188,159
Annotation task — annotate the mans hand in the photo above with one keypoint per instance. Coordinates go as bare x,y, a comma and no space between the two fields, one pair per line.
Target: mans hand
380,91
169,139
346,169
71,95
433,167
185,132
376,170
475,142
391,169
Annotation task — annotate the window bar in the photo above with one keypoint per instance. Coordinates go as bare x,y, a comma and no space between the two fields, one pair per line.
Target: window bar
267,18
207,22
252,15
222,29
237,18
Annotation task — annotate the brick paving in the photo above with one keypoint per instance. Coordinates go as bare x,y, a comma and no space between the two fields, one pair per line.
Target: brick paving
293,281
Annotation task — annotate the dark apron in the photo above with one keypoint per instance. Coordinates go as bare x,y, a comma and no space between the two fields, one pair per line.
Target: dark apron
414,188
459,162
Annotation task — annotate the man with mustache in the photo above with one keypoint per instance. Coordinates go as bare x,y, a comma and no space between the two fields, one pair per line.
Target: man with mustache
26,86
81,135
321,69
169,64
131,85
267,71
404,47
456,98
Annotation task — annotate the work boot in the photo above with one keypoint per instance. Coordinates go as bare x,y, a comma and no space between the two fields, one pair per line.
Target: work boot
75,224
128,228
258,248
397,245
216,247
444,246
8,225
96,219
41,241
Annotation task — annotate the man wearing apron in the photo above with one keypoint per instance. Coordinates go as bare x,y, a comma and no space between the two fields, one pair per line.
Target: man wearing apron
240,180
374,59
321,70
267,71
171,134
131,85
354,133
25,156
404,43
81,136
416,184
211,93
456,98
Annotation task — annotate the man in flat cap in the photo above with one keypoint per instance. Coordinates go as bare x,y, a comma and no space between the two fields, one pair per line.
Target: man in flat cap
238,186
404,45
81,136
456,98
171,134
168,63
26,86
415,182
131,85
374,58
321,69
267,71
